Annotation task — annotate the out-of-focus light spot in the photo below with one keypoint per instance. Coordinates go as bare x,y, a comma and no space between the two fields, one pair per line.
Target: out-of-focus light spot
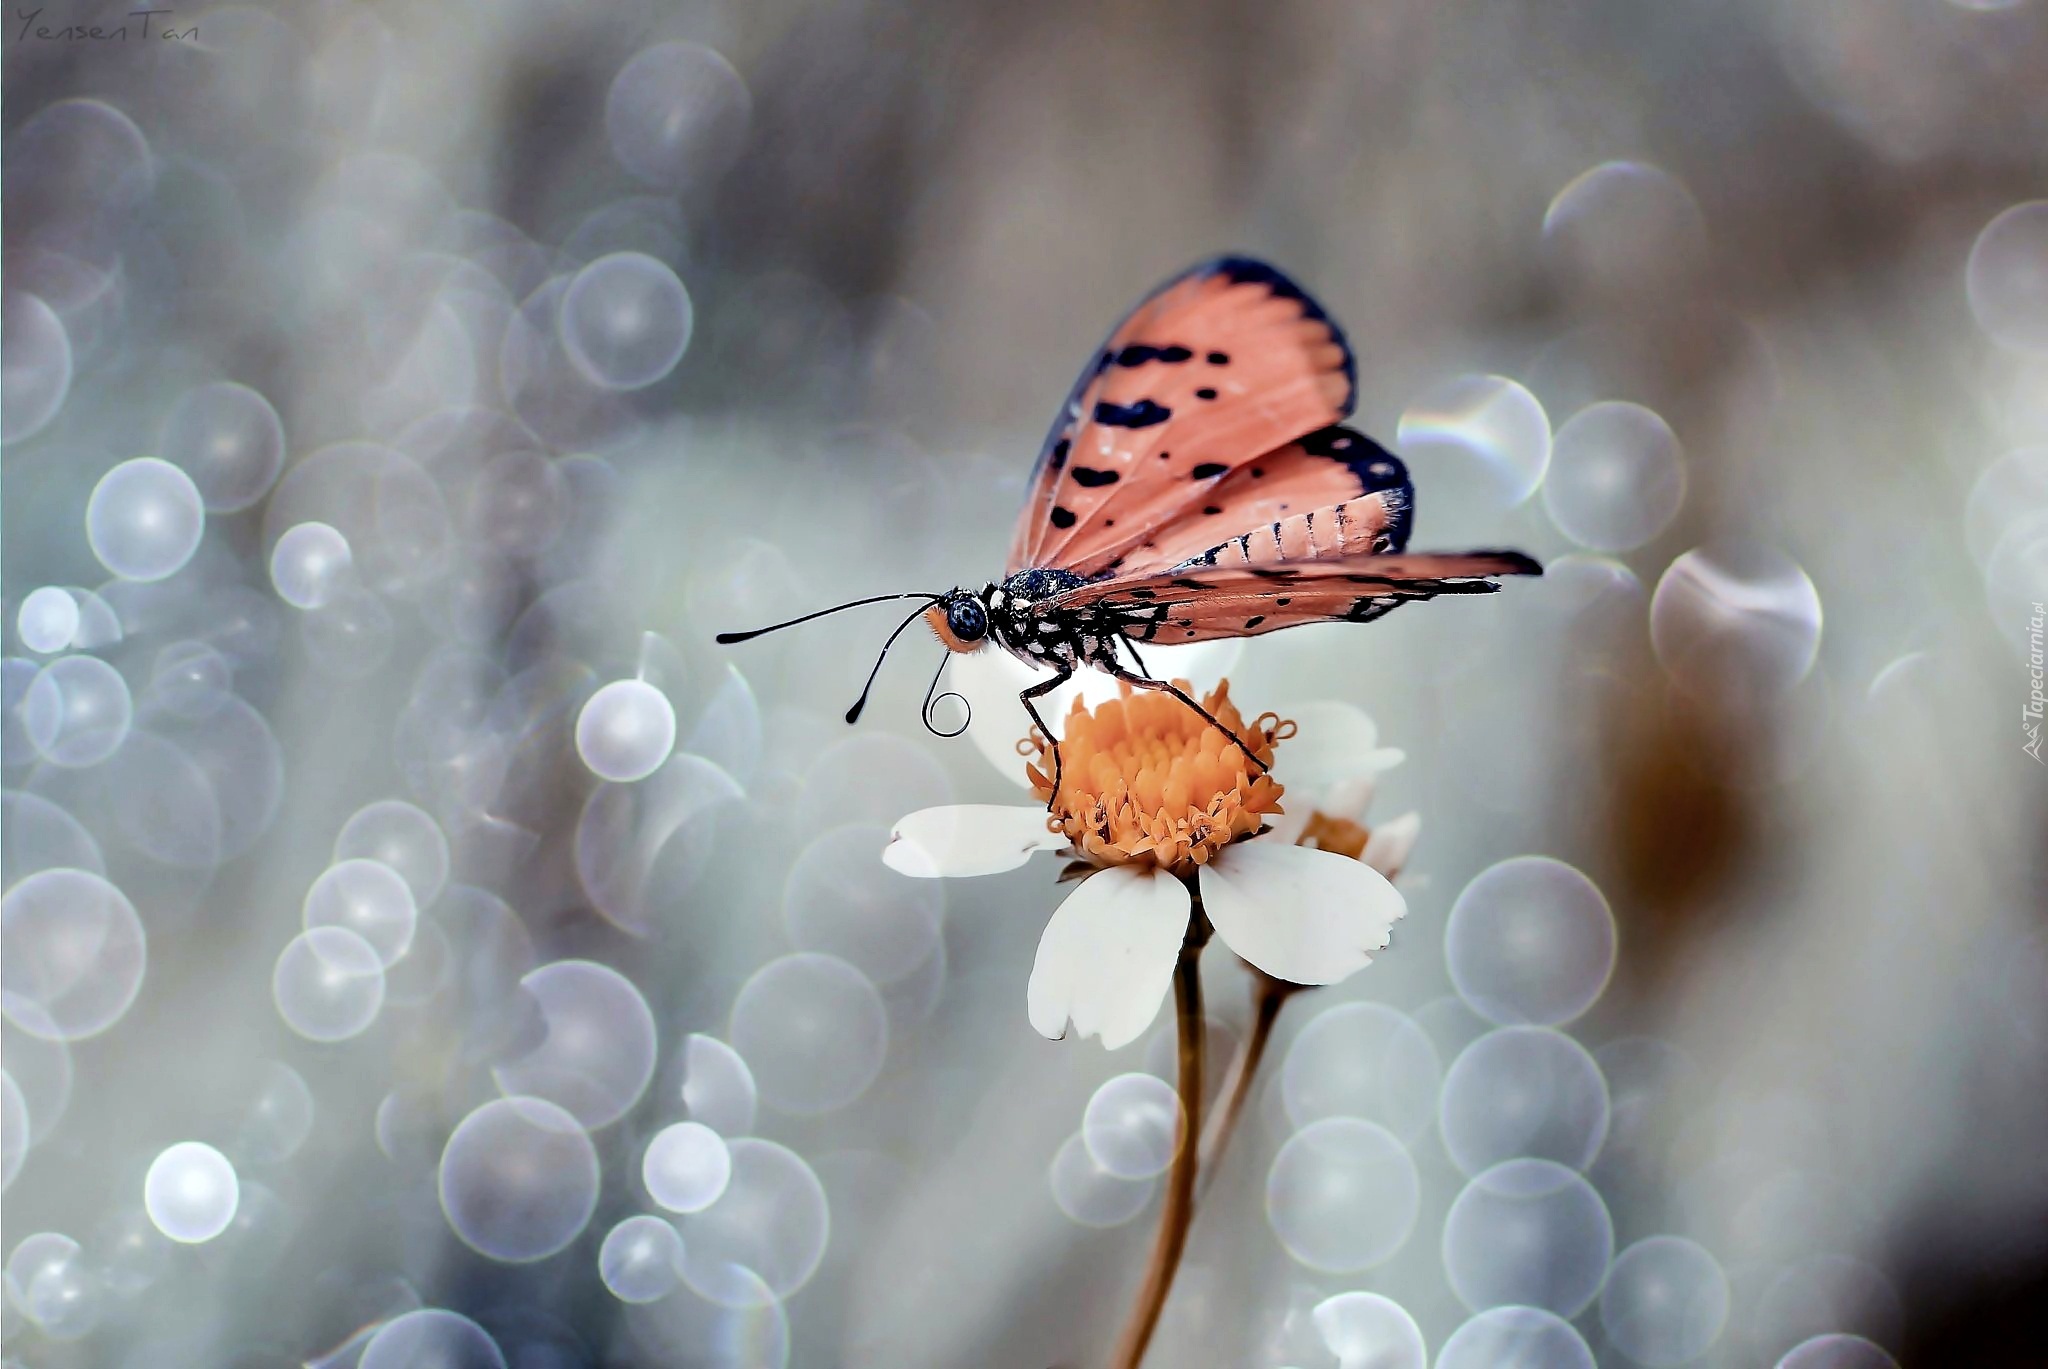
813,1030
1530,941
1616,476
1370,1331
1343,1195
47,619
1624,229
625,731
625,321
764,1236
77,712
1363,1060
1089,1194
597,1054
677,116
1515,1338
66,1298
1821,1294
1486,433
2007,277
72,954
191,1192
35,372
191,679
1527,1092
34,1254
1530,1233
431,1339
229,440
403,837
80,159
309,563
350,636
641,1260
368,898
1837,1351
750,1328
144,519
1736,625
2016,580
1132,1125
639,845
14,1129
387,506
98,625
2008,491
686,1167
518,1179
1665,1302
841,900
718,1088
328,984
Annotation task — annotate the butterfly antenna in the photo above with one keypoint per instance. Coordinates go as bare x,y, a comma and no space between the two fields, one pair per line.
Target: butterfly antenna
932,699
728,638
853,714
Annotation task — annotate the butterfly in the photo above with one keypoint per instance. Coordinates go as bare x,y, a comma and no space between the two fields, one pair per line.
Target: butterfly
1198,484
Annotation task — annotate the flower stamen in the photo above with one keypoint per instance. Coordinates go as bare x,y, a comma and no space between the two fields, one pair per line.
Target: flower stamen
1145,779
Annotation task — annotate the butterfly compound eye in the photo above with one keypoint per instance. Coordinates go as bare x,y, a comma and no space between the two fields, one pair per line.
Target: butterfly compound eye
967,619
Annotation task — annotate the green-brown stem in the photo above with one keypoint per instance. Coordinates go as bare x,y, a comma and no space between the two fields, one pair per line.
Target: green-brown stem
1268,996
1179,1213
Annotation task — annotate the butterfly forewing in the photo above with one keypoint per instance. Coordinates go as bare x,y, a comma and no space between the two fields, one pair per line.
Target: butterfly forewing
1222,365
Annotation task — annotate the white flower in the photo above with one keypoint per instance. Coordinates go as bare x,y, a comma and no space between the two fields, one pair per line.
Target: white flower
1162,804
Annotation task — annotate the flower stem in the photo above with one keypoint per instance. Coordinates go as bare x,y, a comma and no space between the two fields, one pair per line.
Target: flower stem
1268,996
1179,1215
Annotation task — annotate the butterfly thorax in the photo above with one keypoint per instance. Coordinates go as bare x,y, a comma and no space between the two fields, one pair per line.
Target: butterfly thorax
1022,624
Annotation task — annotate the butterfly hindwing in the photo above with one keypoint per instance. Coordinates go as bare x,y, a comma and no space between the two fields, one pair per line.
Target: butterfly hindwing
1242,597
1333,492
1223,364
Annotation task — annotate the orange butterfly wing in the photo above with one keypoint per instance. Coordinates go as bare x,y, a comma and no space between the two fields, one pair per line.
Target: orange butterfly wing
1333,492
1225,363
1241,593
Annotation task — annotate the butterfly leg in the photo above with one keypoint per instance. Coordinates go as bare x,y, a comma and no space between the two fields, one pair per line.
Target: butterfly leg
1146,682
1039,691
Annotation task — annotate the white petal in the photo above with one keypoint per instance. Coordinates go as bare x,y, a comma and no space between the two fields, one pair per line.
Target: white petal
1337,741
1348,799
990,680
1386,850
1286,828
1299,914
967,839
1107,957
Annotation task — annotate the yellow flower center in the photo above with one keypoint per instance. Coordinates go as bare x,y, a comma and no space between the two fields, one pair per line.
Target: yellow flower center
1144,779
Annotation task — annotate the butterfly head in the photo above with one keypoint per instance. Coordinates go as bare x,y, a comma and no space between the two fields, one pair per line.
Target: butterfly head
961,620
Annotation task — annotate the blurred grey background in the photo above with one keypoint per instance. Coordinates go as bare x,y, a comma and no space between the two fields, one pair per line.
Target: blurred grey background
381,382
